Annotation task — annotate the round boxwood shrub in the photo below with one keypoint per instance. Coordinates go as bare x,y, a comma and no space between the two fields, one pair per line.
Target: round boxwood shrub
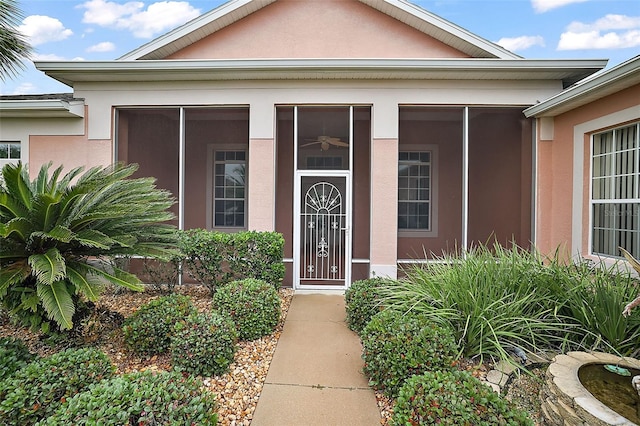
363,300
397,346
141,398
35,391
204,344
253,305
453,398
14,355
149,329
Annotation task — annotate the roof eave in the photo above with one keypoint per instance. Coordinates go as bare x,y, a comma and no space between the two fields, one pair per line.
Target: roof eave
47,108
588,90
319,69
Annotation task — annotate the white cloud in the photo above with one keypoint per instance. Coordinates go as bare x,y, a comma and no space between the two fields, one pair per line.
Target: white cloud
609,32
132,16
47,57
541,6
25,88
42,29
520,43
105,46
609,22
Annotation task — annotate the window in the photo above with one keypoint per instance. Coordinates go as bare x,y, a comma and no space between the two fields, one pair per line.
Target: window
229,189
9,150
615,196
414,190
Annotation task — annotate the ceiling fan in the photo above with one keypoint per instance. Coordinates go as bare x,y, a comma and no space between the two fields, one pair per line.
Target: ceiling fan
325,142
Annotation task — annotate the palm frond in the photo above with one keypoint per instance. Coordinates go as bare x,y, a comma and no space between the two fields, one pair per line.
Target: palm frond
17,228
13,274
57,302
94,238
84,281
49,267
118,277
16,181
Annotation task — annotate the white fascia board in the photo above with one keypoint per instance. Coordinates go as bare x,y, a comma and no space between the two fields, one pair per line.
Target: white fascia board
605,82
195,24
42,108
471,68
450,28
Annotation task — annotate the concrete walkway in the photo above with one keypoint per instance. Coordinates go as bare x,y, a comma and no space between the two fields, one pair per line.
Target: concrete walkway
315,377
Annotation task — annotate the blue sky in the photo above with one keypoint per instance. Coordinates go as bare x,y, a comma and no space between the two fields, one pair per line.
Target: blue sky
106,29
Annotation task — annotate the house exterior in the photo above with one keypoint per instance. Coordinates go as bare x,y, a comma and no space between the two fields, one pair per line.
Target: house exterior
589,165
371,133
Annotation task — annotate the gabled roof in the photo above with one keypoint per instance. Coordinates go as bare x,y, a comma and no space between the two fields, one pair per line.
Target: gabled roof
402,10
590,89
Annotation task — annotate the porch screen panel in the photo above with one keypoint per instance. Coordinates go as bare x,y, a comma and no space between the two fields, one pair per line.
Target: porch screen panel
216,159
500,176
615,191
150,137
428,224
323,138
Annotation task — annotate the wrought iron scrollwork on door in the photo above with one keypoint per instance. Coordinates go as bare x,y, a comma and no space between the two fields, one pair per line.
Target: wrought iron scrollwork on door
323,233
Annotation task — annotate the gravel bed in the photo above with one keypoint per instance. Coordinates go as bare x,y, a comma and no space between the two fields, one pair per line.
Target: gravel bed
237,391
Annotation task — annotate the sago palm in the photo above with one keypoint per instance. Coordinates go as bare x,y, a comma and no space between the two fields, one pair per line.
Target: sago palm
57,233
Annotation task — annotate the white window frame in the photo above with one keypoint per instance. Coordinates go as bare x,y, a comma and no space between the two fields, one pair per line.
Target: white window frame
432,232
611,175
9,159
212,149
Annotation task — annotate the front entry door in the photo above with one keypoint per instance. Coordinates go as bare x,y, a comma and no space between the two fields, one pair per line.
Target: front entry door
323,231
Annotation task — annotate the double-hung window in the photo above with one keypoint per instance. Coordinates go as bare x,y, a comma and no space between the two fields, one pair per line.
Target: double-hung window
615,191
415,192
229,189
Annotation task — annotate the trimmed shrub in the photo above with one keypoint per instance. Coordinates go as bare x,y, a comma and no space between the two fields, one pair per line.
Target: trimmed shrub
14,355
37,390
253,305
204,344
149,329
397,346
453,398
142,398
363,300
217,258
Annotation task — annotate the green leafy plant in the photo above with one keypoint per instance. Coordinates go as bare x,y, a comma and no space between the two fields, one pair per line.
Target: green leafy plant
204,344
363,300
397,346
253,305
497,301
595,297
217,258
453,398
14,355
163,274
57,230
143,398
149,329
37,390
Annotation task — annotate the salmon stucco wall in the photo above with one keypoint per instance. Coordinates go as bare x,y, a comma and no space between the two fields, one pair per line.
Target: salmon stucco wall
562,221
68,151
340,29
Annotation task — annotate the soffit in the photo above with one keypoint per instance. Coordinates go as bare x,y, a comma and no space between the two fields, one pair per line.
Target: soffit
568,71
604,83
46,106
